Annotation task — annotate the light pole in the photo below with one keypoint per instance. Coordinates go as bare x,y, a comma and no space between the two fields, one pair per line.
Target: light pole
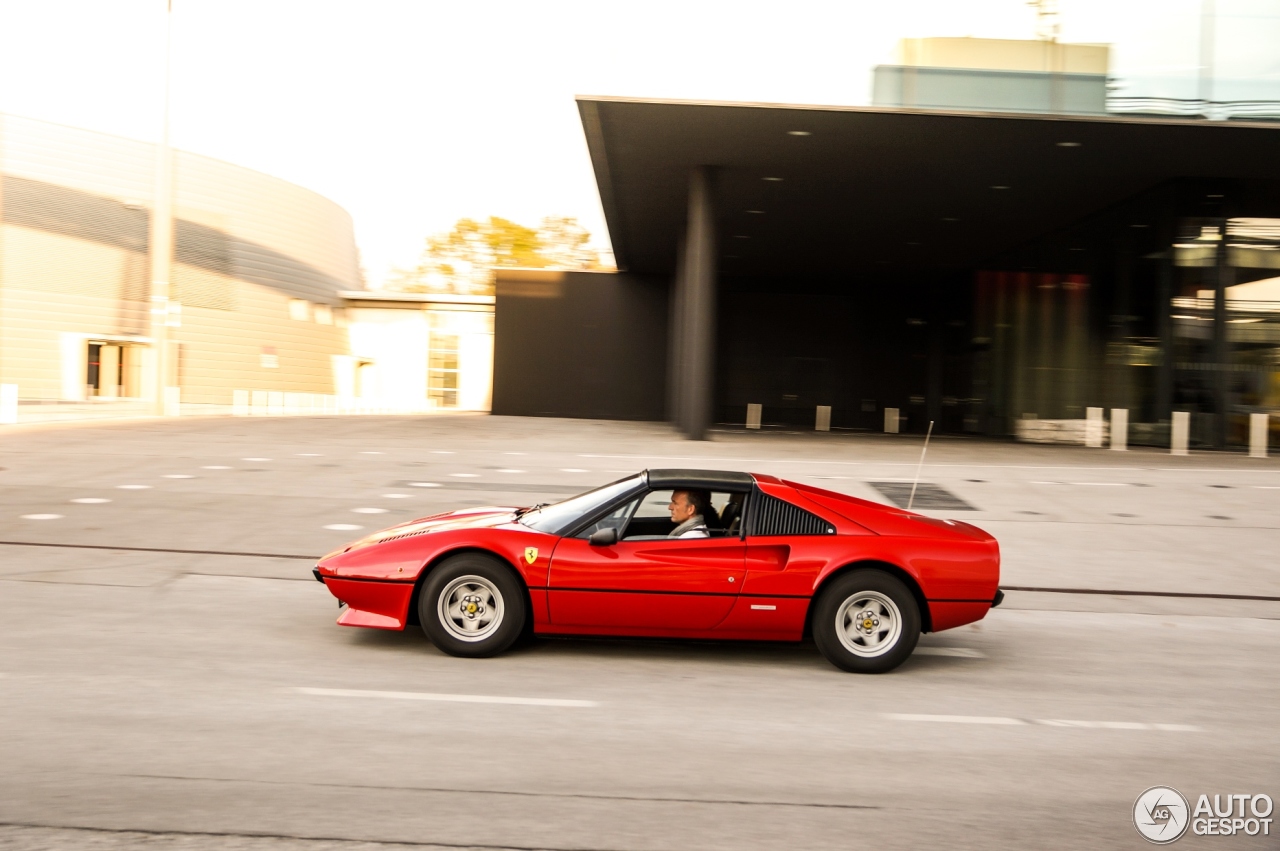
163,314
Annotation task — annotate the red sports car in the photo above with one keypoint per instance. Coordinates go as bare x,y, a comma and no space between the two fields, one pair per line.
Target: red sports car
678,554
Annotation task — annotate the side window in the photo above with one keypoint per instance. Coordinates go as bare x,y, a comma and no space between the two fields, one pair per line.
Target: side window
615,519
772,516
653,519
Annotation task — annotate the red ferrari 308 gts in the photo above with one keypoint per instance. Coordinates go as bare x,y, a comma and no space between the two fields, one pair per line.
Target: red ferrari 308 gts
678,554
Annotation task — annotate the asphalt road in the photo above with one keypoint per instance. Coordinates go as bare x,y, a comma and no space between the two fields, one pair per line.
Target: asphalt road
171,676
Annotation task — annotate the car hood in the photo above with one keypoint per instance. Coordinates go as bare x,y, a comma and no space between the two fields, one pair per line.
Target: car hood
467,518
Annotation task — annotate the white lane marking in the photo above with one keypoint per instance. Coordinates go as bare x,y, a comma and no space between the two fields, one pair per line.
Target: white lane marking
215,467
396,495
515,453
425,484
1046,483
42,517
1268,487
508,470
371,452
465,475
90,500
573,470
255,459
343,527
1104,484
441,452
961,652
445,698
957,719
133,487
177,476
309,455
1044,722
370,510
764,608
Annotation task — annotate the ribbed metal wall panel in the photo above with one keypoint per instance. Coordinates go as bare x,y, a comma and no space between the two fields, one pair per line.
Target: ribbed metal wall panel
768,515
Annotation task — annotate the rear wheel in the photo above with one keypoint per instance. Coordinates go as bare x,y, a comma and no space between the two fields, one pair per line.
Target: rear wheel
866,622
472,605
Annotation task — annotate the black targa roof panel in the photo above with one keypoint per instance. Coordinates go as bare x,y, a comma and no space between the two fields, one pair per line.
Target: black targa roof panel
722,480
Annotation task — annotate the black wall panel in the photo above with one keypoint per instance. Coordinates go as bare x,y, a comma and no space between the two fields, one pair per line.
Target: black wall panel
580,344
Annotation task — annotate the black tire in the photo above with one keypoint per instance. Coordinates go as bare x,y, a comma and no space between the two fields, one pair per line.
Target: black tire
881,645
472,586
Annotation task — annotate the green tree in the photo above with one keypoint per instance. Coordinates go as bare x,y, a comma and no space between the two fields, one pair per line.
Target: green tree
464,259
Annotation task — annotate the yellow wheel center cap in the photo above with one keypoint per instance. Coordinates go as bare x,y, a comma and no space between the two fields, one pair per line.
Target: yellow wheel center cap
868,623
471,608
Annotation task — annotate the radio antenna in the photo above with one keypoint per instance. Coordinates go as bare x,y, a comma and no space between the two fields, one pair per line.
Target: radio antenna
920,466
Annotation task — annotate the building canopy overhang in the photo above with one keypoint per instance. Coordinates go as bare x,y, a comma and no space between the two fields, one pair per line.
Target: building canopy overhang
818,190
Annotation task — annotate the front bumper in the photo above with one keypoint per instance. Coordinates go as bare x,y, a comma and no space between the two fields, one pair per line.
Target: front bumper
315,571
998,599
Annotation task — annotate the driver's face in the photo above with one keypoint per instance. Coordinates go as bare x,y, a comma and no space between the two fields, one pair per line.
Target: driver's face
679,507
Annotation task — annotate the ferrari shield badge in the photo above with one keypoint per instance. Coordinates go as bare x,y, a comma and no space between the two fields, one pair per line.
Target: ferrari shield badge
530,554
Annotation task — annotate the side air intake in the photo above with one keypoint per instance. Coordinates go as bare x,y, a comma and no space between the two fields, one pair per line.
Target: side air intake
769,515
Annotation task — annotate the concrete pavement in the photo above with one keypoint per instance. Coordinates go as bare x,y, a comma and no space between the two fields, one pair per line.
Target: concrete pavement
203,699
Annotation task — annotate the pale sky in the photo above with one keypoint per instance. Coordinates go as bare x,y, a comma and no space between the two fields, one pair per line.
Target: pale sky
412,114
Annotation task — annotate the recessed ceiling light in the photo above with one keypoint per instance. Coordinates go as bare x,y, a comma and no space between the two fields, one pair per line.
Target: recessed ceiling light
755,212
950,219
999,187
799,133
741,236
1213,196
774,179
1068,144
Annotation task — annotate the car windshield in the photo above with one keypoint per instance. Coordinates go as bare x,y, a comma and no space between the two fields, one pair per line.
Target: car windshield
562,516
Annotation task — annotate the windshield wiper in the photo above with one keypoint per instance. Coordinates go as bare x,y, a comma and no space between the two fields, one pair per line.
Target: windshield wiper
521,512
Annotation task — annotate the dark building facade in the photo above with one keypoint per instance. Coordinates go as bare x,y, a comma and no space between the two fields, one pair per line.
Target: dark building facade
974,270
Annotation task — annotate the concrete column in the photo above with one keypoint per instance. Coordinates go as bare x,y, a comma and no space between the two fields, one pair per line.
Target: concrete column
109,372
1221,351
1164,321
697,340
1093,428
675,340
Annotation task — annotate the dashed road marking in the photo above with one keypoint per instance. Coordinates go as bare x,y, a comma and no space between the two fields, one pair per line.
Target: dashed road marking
255,459
177,476
370,510
425,485
1005,721
90,500
465,475
343,527
573,470
309,455
960,652
42,517
371,452
133,487
446,698
215,467
396,495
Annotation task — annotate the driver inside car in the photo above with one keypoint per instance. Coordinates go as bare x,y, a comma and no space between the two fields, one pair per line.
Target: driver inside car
689,511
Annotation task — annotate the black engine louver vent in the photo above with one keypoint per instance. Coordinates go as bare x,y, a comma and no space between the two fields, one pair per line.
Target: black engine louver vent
772,516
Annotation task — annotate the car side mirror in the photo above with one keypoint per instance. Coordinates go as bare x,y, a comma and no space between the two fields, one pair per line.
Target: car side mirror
603,537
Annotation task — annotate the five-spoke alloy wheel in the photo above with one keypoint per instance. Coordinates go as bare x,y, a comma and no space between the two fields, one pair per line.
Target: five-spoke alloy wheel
866,621
472,605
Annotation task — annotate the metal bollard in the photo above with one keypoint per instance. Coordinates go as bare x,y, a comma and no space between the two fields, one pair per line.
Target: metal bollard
1180,433
1258,425
823,420
753,415
1093,428
890,420
1120,429
8,403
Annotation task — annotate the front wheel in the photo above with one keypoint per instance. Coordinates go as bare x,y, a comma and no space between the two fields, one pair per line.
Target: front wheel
471,605
866,622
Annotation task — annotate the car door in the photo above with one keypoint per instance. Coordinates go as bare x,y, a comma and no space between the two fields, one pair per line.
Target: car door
646,584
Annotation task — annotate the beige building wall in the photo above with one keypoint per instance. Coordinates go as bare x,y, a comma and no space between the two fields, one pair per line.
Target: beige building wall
258,271
998,54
